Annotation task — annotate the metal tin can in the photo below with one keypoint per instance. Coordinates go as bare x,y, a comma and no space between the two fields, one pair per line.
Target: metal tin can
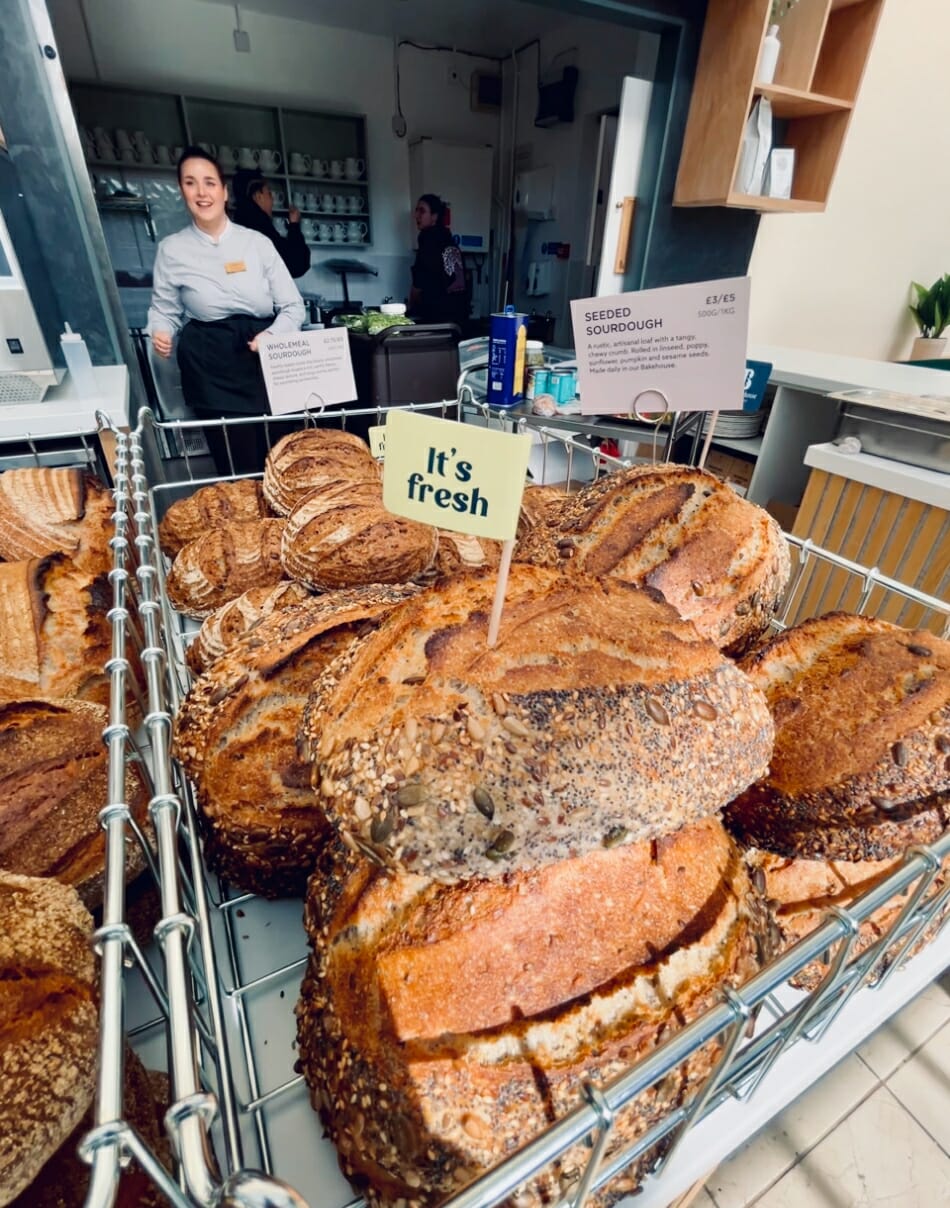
506,357
541,379
563,385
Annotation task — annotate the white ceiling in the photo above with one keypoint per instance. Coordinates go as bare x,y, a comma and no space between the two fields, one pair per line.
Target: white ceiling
492,27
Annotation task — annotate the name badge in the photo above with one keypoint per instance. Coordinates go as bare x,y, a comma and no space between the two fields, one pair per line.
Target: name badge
235,266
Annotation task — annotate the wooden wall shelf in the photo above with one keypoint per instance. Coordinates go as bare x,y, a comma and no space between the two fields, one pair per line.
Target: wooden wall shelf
825,48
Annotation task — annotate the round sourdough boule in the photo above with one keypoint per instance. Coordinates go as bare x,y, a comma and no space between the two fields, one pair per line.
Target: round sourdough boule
50,1023
440,1027
232,620
46,510
303,461
459,553
332,543
861,766
721,561
210,507
598,718
223,564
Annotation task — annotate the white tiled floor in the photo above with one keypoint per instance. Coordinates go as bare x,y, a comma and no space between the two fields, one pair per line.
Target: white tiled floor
873,1133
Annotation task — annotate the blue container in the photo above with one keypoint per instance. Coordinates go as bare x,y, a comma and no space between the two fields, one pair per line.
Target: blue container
564,385
542,381
506,353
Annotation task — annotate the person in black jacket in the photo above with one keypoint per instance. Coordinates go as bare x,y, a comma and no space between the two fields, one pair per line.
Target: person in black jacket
253,207
438,293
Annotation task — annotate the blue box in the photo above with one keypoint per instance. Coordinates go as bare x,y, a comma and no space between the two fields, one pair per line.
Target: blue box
506,356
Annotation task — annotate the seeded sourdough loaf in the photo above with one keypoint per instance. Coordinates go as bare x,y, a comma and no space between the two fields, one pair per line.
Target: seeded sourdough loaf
216,506
50,1024
460,552
236,737
53,783
54,631
440,1027
303,461
721,561
232,620
598,718
47,511
861,766
223,564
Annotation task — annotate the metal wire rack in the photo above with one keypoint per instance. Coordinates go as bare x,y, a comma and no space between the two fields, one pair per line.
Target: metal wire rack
213,998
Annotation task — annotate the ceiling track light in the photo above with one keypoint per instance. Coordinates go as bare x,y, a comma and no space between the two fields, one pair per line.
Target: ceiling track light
242,39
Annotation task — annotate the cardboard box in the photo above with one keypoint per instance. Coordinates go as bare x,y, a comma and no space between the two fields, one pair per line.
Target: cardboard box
734,470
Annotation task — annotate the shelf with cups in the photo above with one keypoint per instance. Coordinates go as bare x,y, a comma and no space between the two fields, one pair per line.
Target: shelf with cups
339,181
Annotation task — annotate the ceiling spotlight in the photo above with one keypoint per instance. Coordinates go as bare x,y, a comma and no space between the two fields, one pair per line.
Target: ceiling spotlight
242,39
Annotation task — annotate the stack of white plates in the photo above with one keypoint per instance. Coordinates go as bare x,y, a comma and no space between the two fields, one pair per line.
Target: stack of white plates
735,425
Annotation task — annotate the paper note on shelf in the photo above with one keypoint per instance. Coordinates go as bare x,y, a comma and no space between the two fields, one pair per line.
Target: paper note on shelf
307,370
682,348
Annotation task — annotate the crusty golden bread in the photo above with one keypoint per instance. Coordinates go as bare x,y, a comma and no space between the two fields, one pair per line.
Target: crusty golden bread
332,541
303,461
439,1027
536,503
223,564
598,718
55,636
63,510
862,741
236,734
215,506
232,620
721,561
49,1034
53,783
460,552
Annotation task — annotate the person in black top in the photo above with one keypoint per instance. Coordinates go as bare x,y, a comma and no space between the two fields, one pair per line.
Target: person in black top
253,207
438,293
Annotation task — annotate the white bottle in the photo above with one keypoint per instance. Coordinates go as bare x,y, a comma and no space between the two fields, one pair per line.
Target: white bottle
80,368
768,59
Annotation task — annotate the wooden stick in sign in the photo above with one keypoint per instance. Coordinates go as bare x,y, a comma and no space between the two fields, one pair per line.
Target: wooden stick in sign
501,587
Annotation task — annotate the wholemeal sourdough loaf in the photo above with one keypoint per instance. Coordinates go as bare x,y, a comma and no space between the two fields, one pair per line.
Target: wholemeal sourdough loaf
236,736
343,538
598,718
440,1027
215,506
721,561
50,1024
223,564
861,766
47,511
55,630
53,783
232,620
303,461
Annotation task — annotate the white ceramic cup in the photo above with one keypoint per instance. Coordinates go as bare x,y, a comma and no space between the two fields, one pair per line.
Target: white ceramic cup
310,202
308,229
325,232
326,203
128,155
177,153
123,139
300,199
300,164
354,204
163,155
337,169
270,160
279,198
249,157
212,150
339,232
320,167
354,168
227,156
356,232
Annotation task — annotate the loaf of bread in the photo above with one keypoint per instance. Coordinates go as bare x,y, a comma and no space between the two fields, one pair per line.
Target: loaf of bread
47,511
862,741
440,1027
223,564
537,502
53,783
216,506
598,718
55,637
232,620
721,561
461,552
49,1042
303,461
333,542
236,736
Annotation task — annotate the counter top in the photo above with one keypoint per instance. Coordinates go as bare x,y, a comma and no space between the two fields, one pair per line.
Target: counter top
62,412
826,372
926,486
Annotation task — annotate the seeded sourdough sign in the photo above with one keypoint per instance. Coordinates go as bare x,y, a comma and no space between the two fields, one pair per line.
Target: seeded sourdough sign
454,476
682,348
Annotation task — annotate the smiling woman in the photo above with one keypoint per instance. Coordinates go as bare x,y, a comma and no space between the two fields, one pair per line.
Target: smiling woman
217,287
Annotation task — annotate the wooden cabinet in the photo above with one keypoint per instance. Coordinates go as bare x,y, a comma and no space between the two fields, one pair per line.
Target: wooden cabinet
825,46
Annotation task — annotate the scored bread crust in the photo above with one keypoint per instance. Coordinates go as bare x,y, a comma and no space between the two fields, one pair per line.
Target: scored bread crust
236,734
62,510
303,461
48,1023
231,621
332,541
215,506
862,745
598,718
223,564
460,552
721,561
439,1027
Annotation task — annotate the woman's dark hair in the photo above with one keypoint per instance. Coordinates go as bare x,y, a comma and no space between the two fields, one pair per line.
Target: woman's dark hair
199,153
435,204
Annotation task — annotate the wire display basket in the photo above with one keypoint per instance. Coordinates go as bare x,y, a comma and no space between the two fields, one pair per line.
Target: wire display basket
212,1000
